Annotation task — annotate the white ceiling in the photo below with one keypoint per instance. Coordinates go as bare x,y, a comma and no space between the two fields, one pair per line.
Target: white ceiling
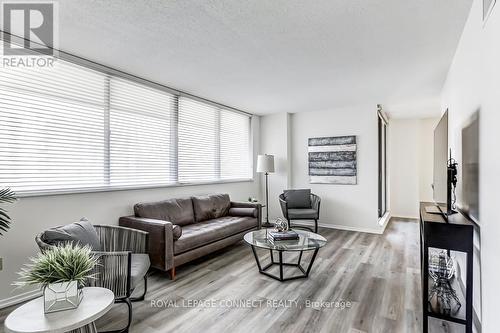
267,56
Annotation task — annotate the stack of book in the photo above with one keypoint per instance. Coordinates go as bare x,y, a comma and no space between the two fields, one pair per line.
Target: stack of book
282,235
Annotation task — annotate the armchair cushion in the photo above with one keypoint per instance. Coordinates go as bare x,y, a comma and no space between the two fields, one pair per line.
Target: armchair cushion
81,232
211,206
177,211
302,213
252,212
298,198
139,266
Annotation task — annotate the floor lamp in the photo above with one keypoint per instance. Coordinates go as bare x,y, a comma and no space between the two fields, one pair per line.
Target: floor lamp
265,164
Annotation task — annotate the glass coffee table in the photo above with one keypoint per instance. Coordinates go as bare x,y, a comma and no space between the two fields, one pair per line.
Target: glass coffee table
308,241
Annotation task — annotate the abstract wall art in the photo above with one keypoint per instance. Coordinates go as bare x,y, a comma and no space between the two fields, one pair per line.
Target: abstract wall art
333,160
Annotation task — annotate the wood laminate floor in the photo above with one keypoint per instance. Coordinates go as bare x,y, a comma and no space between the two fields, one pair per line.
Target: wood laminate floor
359,283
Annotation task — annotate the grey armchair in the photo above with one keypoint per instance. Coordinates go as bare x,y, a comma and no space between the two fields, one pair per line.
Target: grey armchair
300,205
123,262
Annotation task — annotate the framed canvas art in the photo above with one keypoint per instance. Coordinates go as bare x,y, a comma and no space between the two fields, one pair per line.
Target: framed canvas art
333,160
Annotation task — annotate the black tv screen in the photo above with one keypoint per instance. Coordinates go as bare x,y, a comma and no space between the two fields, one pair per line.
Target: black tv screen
440,174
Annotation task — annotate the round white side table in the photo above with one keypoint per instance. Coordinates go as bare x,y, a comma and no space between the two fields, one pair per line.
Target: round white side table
30,316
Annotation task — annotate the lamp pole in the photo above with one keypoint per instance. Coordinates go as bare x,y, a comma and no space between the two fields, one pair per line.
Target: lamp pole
265,165
267,203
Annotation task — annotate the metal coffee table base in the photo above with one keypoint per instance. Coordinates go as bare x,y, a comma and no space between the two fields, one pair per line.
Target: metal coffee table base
281,264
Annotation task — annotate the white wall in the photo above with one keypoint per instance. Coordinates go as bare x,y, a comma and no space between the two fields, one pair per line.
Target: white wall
426,157
403,142
274,134
284,135
344,206
410,156
473,84
32,215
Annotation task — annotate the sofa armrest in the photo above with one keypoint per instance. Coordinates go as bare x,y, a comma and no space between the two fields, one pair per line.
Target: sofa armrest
256,206
161,240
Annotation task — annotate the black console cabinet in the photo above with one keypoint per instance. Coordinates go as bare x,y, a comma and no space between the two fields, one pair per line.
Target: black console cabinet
454,234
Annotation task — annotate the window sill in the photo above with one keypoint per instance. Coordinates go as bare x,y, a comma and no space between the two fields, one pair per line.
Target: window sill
27,194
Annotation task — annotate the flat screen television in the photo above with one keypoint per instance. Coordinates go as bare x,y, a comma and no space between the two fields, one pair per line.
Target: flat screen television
440,174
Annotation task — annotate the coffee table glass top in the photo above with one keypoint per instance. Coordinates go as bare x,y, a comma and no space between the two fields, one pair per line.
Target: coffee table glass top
307,241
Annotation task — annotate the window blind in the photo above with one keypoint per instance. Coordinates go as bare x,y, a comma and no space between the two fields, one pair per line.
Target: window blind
140,135
198,141
51,128
214,143
70,128
234,145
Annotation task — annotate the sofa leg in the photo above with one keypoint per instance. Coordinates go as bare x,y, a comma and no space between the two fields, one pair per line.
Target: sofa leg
172,273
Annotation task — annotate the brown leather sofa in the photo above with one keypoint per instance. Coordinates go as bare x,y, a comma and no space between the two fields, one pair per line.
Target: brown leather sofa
184,229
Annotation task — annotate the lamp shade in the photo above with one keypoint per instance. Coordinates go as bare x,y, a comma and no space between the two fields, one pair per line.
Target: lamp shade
265,163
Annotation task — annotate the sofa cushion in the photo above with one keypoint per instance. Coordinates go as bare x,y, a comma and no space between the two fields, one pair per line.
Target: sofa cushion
82,233
252,212
298,198
210,207
304,213
139,266
206,232
177,211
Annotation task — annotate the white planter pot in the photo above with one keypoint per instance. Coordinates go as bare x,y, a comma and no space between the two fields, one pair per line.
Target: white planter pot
62,296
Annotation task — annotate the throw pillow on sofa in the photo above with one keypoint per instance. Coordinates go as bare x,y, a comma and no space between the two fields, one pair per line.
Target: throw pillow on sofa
210,207
178,211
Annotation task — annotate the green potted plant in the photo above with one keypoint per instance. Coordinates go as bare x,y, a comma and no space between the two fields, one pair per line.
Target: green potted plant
6,196
62,272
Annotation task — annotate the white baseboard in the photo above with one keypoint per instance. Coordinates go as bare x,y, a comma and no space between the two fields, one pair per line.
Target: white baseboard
29,295
384,220
341,227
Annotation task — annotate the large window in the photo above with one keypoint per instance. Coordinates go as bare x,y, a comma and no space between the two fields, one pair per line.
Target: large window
69,128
